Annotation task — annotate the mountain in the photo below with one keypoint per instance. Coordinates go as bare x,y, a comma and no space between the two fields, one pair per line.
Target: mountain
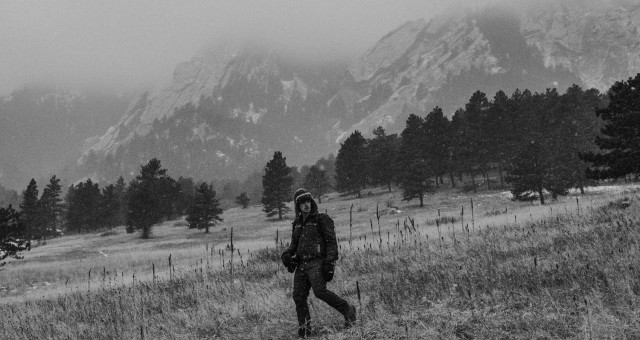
231,106
43,130
442,62
224,114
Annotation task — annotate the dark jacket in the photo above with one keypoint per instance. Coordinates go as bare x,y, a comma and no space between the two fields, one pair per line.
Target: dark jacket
313,240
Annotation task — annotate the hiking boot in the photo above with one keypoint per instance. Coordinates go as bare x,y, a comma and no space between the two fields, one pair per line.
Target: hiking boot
304,330
350,317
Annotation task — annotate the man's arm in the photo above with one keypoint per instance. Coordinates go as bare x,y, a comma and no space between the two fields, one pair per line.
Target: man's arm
287,255
329,234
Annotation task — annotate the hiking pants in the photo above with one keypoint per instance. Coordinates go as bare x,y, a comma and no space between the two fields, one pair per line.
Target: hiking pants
307,278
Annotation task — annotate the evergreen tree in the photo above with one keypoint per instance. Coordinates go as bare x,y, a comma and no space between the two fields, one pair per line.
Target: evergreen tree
83,207
381,151
416,181
276,181
109,207
50,207
150,197
10,243
436,148
316,182
9,219
243,200
29,213
477,141
351,164
539,163
414,173
205,211
620,150
121,194
579,127
503,138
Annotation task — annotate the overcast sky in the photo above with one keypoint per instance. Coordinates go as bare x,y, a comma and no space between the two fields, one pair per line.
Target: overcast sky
131,44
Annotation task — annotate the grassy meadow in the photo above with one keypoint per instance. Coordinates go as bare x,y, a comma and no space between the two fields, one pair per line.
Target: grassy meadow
491,269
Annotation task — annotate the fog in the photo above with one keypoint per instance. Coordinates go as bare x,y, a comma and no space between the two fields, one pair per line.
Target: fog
128,45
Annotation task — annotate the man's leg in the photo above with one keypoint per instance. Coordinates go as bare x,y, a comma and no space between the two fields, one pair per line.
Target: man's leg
301,286
320,290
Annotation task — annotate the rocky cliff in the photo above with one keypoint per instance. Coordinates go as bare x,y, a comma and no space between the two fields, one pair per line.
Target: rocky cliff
441,62
227,110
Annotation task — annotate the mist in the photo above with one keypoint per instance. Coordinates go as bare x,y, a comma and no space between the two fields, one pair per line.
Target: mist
133,45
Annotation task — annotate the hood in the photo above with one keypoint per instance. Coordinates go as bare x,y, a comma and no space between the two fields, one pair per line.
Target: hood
302,195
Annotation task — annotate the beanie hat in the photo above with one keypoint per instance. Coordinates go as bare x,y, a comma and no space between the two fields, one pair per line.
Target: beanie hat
298,193
302,195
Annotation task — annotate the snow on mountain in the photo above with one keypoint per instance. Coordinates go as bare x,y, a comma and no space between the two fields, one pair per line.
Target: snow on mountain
227,110
440,63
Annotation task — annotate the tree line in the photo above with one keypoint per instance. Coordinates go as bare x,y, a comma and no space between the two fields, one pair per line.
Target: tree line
537,143
532,141
151,197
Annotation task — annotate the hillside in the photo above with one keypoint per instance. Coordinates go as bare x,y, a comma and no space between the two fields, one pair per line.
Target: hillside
506,269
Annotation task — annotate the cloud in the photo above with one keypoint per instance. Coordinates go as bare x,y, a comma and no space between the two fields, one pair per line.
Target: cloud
129,45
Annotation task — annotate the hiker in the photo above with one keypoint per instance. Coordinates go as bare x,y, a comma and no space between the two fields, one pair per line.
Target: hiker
312,255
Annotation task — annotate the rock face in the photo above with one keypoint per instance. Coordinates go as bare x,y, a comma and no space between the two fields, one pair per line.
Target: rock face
600,43
440,63
191,81
224,115
227,110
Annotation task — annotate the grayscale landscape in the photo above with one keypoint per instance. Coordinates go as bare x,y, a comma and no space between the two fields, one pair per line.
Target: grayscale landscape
480,163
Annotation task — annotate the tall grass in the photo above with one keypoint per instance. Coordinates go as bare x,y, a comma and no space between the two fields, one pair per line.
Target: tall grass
546,273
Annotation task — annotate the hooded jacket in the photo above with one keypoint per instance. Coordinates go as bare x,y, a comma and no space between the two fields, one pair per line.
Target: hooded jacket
313,240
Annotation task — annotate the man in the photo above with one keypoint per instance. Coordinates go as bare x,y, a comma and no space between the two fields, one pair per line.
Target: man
312,254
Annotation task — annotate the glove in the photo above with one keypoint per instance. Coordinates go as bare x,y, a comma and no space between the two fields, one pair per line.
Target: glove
328,268
290,262
292,266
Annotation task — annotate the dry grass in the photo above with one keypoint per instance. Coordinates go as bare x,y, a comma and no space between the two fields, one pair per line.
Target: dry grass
565,270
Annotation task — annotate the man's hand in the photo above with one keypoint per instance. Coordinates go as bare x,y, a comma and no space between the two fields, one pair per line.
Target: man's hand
290,262
328,268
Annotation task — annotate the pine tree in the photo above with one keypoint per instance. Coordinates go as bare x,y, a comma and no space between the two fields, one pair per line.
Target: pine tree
50,207
317,182
351,164
205,211
10,243
381,153
416,181
29,217
9,219
477,141
414,173
436,148
121,194
276,181
539,163
109,207
243,200
83,207
151,196
579,127
620,150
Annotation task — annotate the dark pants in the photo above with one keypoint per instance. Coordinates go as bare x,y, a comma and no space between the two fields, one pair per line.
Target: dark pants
311,278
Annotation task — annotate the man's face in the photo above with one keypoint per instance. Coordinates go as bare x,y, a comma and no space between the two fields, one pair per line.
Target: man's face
305,207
